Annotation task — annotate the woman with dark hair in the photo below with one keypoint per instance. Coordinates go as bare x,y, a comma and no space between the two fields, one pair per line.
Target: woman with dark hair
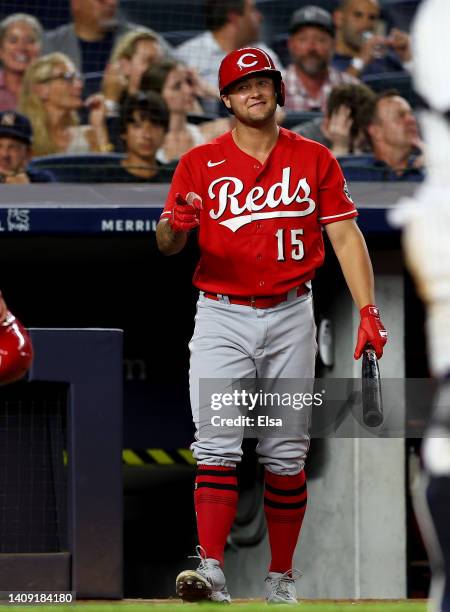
144,120
342,127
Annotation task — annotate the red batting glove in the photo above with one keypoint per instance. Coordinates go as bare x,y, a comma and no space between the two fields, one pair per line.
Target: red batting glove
371,331
185,213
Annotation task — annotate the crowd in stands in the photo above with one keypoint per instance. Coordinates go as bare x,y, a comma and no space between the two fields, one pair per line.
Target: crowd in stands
101,84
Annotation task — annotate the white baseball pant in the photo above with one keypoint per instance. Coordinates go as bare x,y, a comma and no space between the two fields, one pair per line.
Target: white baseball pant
233,342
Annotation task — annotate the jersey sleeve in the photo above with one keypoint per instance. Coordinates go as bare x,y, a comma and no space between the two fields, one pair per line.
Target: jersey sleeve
335,201
182,182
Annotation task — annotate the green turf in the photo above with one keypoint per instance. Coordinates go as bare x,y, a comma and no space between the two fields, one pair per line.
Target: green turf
319,606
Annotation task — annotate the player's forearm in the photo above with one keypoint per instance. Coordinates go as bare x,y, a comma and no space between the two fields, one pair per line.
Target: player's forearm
356,266
169,242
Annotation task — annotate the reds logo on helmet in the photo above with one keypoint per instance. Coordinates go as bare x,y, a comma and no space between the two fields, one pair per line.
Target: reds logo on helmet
247,61
16,351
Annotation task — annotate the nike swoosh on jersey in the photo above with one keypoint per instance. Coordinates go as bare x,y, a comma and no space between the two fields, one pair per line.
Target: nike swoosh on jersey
211,164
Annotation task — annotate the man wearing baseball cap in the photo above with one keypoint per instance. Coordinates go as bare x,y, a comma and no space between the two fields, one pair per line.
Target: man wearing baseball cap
310,77
16,138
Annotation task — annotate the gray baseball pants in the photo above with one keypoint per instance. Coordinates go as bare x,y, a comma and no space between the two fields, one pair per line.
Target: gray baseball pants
233,342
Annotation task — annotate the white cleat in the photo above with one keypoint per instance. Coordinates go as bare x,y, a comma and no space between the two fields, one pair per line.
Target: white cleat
280,588
192,586
207,582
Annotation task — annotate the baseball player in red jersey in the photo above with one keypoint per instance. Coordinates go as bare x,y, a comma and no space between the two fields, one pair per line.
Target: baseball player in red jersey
260,196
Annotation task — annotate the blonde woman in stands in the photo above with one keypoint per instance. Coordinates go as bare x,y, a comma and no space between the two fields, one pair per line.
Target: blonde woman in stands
20,44
176,83
51,97
133,54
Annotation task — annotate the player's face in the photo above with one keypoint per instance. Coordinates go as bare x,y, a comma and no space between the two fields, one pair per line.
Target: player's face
64,87
396,122
178,90
143,137
19,48
13,155
252,100
356,17
311,49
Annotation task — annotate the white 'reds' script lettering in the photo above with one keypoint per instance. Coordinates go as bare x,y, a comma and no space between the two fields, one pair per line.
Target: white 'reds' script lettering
227,188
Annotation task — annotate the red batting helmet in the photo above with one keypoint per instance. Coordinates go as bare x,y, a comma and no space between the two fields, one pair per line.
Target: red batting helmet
16,351
245,62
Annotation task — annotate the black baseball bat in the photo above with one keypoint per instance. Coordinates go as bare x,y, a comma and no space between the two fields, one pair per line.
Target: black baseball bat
372,399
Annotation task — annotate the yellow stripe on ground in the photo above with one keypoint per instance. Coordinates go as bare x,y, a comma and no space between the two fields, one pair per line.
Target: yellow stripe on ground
131,458
186,454
160,456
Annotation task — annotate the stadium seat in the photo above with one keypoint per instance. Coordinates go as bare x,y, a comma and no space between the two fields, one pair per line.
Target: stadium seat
401,81
199,119
356,161
80,168
295,118
364,168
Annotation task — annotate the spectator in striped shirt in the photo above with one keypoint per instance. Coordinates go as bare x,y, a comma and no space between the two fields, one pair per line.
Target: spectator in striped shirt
310,78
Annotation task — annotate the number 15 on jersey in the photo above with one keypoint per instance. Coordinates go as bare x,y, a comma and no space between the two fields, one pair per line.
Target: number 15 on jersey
294,244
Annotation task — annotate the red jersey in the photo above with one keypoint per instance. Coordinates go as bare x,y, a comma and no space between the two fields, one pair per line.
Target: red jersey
260,228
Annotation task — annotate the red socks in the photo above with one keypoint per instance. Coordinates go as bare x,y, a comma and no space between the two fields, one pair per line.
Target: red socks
284,505
215,500
216,497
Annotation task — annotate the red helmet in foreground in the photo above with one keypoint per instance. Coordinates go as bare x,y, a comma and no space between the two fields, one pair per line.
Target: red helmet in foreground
16,350
246,62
